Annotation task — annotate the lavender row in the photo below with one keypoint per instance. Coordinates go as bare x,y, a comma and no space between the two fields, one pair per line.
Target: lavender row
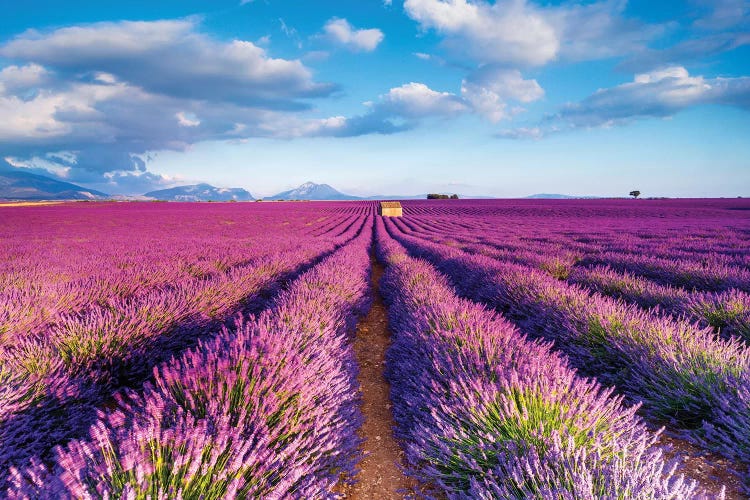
682,374
53,383
266,410
46,306
703,272
691,275
72,258
727,312
486,413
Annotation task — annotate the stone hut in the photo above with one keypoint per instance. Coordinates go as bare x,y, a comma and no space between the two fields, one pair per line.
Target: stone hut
390,209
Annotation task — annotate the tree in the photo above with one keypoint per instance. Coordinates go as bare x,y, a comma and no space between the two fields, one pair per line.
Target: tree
635,194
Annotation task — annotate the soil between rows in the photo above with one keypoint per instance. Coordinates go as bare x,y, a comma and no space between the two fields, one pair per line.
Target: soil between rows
709,470
380,476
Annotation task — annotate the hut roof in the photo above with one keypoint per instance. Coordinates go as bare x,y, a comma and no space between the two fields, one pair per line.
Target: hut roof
390,204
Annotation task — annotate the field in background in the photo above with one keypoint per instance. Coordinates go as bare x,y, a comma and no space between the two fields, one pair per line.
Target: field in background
537,347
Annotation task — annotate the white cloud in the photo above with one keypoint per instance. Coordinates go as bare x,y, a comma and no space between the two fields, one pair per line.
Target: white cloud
187,119
490,88
417,100
111,92
661,93
171,58
509,32
14,78
107,78
486,92
401,108
55,113
48,165
518,32
599,30
343,33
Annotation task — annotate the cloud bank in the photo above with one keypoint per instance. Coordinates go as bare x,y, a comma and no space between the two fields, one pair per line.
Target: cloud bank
89,101
660,93
520,33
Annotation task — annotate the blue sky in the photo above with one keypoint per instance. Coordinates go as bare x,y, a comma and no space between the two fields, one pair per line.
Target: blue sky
504,98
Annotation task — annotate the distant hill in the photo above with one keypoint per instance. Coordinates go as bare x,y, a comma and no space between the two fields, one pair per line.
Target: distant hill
312,191
200,192
397,197
424,197
19,185
552,196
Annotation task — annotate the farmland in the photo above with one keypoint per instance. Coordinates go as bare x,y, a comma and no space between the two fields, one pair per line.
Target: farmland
534,349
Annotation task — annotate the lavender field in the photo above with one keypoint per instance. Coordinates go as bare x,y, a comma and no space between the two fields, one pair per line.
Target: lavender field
551,349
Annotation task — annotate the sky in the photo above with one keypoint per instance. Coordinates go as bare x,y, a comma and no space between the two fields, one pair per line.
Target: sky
505,98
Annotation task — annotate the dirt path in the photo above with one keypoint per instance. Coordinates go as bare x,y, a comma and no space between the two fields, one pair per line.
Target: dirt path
709,470
380,476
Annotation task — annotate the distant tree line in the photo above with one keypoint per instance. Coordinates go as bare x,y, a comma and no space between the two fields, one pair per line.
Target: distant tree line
435,196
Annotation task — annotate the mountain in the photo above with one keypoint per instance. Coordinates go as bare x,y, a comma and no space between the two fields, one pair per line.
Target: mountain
200,192
548,196
19,185
312,191
397,197
424,197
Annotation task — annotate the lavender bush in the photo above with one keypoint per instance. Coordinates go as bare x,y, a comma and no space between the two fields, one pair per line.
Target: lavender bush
267,409
486,413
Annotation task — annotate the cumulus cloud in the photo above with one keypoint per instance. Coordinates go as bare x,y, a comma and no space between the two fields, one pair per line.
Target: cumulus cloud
489,89
108,93
661,93
510,32
417,100
18,78
401,108
518,32
171,58
486,92
342,33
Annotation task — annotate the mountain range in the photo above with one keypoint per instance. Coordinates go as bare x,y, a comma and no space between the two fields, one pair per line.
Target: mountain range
554,196
20,185
200,192
16,184
312,191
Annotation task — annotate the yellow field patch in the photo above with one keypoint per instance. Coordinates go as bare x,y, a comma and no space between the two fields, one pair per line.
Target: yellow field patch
29,203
